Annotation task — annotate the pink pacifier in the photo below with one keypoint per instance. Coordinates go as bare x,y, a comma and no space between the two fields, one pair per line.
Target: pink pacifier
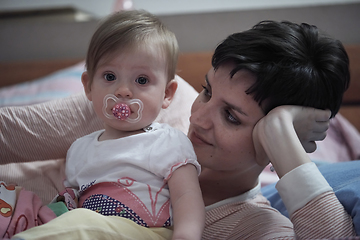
121,109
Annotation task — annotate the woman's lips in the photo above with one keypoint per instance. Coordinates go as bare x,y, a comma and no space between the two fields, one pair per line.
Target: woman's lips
197,139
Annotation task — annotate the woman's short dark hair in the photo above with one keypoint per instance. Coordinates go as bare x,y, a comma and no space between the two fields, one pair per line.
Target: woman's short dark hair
294,64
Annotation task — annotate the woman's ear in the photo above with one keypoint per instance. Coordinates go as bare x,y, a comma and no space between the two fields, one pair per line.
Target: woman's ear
169,93
85,79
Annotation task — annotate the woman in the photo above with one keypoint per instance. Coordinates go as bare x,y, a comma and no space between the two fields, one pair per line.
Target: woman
253,72
241,121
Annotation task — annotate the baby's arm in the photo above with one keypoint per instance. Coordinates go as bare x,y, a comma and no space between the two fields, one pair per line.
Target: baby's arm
187,203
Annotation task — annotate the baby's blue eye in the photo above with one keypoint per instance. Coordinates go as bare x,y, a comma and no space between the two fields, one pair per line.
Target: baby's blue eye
109,77
142,80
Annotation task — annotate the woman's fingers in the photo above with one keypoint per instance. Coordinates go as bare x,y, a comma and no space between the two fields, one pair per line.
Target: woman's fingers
309,146
321,115
314,129
310,124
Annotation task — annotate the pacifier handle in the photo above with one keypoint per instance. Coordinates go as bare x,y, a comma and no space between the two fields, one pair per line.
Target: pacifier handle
121,110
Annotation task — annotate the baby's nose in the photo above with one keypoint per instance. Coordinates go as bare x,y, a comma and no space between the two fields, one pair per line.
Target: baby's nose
123,92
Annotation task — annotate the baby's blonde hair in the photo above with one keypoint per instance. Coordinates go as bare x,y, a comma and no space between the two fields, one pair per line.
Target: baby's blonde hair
127,29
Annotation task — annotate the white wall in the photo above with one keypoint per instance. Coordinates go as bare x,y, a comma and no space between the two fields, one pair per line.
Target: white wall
27,40
101,8
167,7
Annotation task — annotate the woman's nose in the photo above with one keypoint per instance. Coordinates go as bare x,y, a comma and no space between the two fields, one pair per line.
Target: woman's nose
202,114
123,91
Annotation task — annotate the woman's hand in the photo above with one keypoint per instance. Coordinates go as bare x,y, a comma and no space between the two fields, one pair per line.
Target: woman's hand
286,133
310,124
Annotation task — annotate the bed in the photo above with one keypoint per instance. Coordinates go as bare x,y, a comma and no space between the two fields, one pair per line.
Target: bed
29,83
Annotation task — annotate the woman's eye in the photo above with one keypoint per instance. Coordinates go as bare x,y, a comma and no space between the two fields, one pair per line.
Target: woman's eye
109,77
206,91
142,80
230,118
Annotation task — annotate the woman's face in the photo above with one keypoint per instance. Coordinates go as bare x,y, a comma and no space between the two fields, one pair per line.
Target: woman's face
222,120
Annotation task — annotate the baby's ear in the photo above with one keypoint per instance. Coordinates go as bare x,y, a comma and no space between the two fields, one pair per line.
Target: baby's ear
169,93
85,79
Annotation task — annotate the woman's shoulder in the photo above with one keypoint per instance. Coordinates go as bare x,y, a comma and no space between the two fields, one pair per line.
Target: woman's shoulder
254,217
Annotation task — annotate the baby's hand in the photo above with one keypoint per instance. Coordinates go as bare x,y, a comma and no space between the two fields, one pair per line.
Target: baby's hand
69,196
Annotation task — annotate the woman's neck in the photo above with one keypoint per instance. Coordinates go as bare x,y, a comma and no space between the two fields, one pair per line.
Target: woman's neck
217,186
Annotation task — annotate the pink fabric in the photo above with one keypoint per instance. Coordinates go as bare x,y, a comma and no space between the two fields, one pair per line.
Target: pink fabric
28,211
256,219
153,217
341,144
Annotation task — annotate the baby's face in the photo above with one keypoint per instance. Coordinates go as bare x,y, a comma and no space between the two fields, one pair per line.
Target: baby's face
136,73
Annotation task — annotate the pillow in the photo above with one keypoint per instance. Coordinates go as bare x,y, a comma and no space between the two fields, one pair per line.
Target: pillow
59,84
343,177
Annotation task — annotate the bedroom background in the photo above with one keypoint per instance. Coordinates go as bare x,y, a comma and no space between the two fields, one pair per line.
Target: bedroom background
46,41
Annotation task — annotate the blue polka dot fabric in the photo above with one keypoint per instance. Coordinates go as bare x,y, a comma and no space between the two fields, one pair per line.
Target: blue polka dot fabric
109,206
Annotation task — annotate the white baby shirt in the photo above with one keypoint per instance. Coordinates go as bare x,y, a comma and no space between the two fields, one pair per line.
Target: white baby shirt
127,177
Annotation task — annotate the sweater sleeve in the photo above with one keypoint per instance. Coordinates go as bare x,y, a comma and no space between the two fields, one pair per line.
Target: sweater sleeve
312,205
301,185
45,131
322,218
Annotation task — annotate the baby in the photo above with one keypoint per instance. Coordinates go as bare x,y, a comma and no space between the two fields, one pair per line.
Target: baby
134,168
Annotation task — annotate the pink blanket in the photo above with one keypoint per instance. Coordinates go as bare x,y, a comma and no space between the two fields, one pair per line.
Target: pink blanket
20,210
